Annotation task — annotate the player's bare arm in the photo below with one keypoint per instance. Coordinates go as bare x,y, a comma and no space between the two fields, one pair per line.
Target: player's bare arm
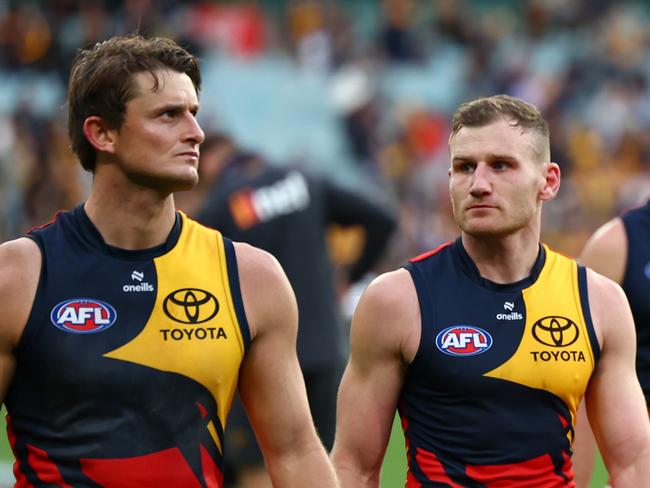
383,340
606,251
20,263
271,384
615,403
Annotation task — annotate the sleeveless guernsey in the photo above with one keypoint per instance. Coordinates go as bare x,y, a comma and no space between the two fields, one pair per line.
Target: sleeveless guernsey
129,360
636,284
490,398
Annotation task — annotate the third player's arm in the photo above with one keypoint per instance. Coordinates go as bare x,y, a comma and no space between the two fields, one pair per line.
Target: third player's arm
606,253
615,403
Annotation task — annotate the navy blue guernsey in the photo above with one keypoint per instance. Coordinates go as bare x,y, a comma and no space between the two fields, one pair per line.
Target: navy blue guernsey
636,284
490,398
129,360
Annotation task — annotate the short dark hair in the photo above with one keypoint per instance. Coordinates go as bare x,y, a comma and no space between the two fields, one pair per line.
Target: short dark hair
485,110
102,82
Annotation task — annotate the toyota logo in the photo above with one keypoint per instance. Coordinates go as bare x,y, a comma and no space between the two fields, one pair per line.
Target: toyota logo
190,306
555,331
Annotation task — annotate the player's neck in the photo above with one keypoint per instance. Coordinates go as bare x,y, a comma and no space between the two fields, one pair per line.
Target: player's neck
503,259
133,220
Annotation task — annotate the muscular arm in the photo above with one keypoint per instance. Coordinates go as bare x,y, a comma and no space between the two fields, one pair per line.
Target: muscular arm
606,253
615,403
383,339
20,263
271,384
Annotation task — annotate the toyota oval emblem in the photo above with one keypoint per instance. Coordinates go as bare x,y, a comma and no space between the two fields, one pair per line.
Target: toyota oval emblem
555,331
190,306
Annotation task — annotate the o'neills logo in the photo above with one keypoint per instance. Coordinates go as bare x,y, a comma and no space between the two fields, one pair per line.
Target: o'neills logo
511,313
140,286
510,316
191,306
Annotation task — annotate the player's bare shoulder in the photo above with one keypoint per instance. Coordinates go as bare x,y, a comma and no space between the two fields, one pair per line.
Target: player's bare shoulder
609,307
388,314
265,289
20,265
606,250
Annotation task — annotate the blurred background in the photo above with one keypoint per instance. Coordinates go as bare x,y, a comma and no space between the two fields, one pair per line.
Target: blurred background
360,90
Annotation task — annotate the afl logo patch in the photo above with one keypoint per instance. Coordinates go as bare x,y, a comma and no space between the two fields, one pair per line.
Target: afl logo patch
83,316
190,306
555,331
463,340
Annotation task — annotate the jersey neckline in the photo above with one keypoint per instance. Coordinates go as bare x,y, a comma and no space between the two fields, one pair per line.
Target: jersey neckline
94,237
471,270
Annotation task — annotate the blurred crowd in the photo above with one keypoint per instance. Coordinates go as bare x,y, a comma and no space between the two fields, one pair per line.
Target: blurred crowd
362,90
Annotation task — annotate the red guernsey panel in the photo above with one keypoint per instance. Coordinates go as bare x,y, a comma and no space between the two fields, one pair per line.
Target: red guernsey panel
43,465
211,473
164,468
539,469
430,465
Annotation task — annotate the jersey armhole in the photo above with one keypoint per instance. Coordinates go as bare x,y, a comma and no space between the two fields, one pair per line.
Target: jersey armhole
29,332
426,311
235,291
586,313
629,236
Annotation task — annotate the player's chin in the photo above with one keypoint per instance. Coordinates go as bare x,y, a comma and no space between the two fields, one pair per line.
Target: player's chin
186,183
188,176
170,183
482,228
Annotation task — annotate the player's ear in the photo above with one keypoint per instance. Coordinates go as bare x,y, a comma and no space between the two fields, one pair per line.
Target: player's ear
552,177
99,135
